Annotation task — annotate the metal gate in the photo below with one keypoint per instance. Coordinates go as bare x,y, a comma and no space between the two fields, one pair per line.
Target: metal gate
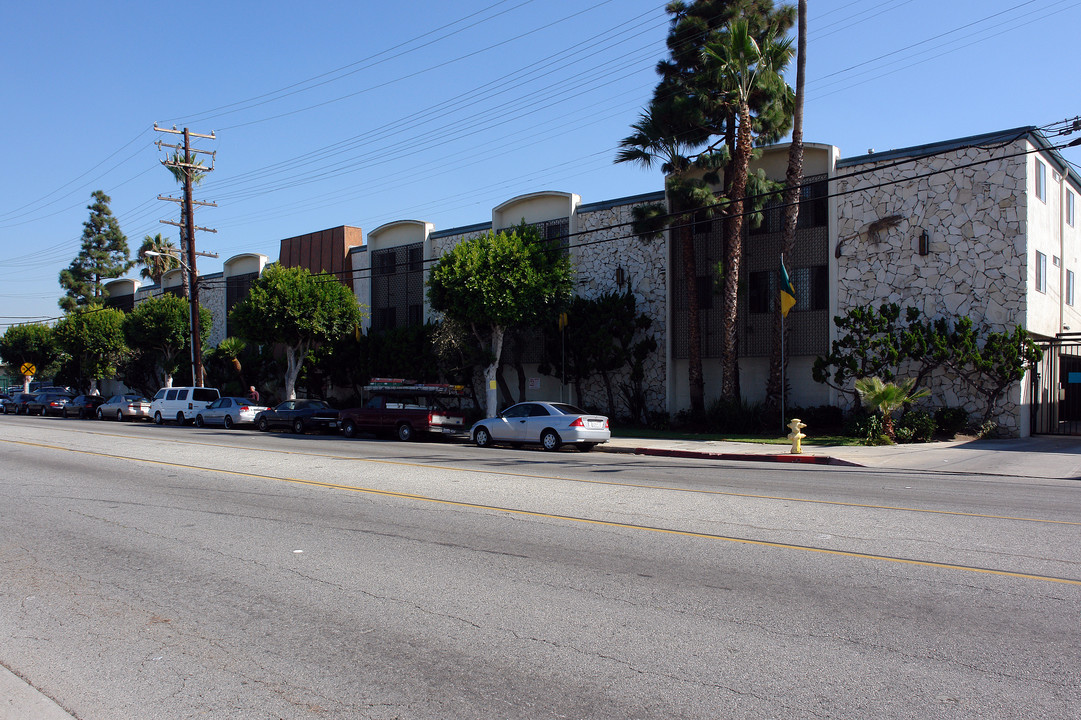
1056,388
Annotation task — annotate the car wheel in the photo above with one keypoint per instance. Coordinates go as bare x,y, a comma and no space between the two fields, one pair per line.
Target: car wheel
180,418
100,414
550,440
119,415
586,447
482,437
157,418
227,422
263,425
349,429
298,426
199,421
406,432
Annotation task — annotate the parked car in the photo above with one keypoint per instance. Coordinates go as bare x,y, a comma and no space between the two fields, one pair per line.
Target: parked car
551,424
299,415
407,411
181,403
228,411
48,403
125,407
83,406
4,400
17,405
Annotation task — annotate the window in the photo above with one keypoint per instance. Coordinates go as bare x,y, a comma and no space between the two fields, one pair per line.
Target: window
1069,287
705,292
1041,272
812,287
761,291
1069,208
1041,181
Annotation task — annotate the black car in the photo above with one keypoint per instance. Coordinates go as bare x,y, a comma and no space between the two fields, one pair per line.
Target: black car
84,406
17,405
48,403
300,416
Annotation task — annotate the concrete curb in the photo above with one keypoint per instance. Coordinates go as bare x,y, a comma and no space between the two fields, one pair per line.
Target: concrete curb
705,455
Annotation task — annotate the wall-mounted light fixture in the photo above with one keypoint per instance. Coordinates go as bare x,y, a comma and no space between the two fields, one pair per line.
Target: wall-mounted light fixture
925,243
621,276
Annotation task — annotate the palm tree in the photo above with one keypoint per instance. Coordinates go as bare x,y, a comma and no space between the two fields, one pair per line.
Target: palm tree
793,180
742,66
888,397
230,349
657,142
155,266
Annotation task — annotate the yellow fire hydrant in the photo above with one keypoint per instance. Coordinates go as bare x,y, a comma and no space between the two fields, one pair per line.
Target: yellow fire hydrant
795,436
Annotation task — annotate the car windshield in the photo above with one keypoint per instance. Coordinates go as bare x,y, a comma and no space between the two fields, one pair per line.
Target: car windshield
567,409
134,398
317,404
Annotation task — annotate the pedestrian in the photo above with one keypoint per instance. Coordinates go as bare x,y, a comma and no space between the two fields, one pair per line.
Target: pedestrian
253,394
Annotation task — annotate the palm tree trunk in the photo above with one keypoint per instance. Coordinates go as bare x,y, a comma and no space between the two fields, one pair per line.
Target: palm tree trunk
793,179
734,255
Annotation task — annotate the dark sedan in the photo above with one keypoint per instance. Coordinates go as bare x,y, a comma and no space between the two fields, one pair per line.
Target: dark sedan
84,406
17,405
300,416
48,404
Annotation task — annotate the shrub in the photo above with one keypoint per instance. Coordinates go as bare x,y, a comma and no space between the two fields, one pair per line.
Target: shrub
821,419
736,416
916,426
951,420
867,428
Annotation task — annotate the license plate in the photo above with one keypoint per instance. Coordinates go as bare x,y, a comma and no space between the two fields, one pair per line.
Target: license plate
594,424
333,424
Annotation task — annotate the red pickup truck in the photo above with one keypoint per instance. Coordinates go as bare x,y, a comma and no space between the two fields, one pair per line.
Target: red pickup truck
406,411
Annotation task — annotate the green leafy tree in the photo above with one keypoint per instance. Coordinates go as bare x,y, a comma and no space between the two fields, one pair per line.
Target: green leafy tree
869,345
499,281
458,355
92,338
104,254
154,266
35,344
299,311
990,368
888,397
604,336
689,130
159,328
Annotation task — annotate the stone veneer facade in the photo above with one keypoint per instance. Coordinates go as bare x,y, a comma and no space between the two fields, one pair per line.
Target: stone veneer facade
974,212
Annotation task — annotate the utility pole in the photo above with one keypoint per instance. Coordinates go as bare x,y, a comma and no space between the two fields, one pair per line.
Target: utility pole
189,167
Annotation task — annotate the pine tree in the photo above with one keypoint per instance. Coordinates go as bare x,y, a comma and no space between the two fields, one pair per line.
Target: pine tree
104,255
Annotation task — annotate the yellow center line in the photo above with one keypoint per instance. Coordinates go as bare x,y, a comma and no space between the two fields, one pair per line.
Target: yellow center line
569,518
612,483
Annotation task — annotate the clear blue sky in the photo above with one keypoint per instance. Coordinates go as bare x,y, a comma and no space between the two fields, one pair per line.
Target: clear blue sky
360,113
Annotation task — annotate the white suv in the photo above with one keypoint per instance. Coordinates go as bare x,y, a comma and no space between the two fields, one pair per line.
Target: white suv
181,403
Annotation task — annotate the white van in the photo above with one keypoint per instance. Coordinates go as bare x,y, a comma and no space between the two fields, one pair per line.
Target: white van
181,403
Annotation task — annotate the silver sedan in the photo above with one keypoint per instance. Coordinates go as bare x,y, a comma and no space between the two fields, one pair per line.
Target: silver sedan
227,412
124,407
549,424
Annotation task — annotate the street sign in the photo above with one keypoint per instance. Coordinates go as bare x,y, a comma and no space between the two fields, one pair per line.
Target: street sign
28,369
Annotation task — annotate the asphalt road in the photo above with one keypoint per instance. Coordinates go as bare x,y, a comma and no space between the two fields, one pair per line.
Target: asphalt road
179,573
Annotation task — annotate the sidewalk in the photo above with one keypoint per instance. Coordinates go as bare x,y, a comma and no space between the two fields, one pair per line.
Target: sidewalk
21,701
1046,457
